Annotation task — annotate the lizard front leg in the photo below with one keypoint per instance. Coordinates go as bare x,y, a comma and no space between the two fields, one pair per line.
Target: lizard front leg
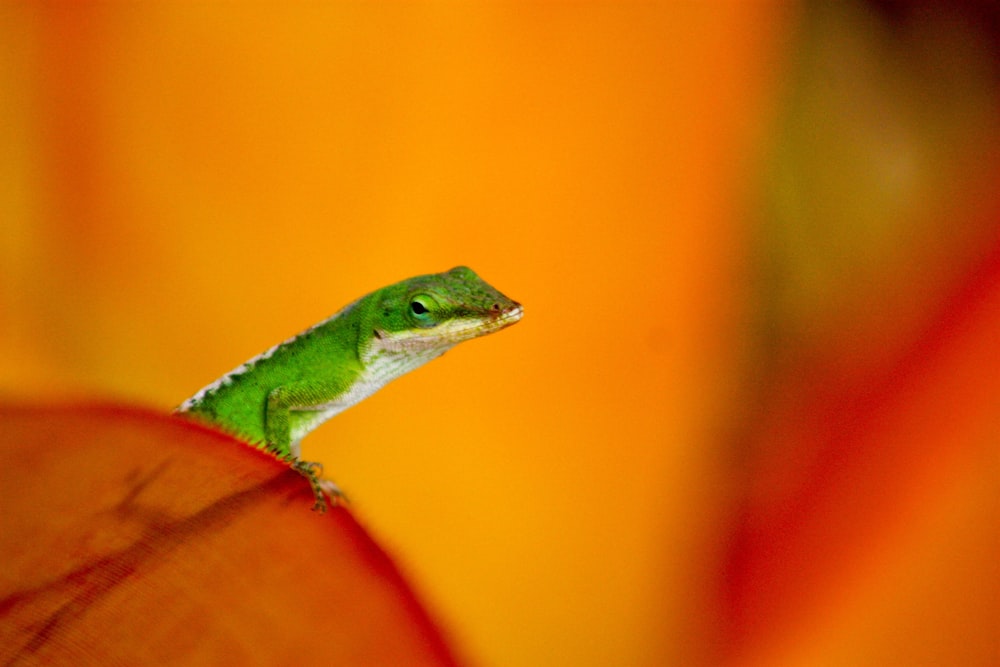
281,402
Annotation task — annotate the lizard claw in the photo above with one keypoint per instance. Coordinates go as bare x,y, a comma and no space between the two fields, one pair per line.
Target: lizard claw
313,471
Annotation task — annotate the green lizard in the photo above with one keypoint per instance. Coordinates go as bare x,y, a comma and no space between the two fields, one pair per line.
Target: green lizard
275,399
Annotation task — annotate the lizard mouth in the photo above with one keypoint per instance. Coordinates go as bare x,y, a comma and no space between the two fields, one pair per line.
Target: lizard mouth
462,329
510,315
455,331
498,319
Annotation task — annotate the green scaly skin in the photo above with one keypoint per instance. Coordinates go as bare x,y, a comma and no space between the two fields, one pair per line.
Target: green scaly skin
273,400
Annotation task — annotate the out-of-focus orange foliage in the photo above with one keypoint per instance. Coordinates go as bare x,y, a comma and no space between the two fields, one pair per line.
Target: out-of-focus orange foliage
129,538
871,506
866,453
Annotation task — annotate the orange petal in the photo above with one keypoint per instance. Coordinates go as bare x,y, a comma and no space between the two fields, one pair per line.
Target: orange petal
128,537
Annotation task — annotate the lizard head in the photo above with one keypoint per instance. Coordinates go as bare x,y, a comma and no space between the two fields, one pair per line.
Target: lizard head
435,312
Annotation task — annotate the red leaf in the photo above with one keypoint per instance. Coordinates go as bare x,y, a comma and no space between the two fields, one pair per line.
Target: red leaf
128,537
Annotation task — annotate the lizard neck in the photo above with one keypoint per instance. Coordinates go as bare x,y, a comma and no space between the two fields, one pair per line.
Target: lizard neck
381,364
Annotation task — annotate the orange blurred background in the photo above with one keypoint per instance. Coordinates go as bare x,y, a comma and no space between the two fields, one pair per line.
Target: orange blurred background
751,414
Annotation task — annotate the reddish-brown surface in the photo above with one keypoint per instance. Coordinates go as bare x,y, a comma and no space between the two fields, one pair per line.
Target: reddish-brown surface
128,537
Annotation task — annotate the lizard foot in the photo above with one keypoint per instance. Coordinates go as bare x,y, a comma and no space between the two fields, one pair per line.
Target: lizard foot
313,471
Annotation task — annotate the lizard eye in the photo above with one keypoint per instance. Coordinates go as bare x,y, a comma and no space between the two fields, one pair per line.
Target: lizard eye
422,309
